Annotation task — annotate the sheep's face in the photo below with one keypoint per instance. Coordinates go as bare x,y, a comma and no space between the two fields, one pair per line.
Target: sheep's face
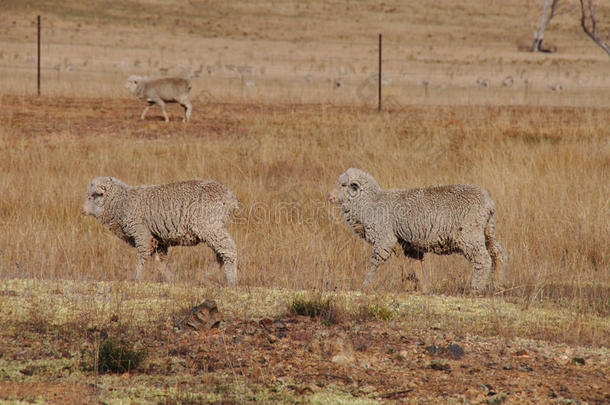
96,192
351,186
132,83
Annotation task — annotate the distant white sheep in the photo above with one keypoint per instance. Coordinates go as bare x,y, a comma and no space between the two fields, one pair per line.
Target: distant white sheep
153,218
160,91
441,219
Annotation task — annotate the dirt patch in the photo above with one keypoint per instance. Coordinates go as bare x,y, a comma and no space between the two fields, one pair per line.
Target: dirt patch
380,361
54,392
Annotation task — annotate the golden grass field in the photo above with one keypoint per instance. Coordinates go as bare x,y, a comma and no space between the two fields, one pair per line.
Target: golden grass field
270,122
545,167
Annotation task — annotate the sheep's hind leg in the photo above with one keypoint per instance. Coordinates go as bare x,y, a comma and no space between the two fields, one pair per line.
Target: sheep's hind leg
160,258
497,254
422,277
226,253
186,103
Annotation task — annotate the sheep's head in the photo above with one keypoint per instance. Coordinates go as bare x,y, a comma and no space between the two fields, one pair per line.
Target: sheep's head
132,83
96,195
353,186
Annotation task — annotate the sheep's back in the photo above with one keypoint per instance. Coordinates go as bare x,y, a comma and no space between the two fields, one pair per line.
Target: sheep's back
436,216
167,88
176,211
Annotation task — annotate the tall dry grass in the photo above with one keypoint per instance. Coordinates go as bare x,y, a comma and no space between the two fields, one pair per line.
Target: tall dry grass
546,168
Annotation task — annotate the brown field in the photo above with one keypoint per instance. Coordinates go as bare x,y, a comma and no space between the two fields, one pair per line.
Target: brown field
271,123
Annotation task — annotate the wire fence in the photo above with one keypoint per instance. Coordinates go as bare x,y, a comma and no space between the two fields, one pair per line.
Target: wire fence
326,71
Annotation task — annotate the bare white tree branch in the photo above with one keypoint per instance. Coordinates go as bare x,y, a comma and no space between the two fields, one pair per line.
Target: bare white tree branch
591,32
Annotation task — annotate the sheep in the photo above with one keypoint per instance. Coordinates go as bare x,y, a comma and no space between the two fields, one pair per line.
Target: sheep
442,219
160,91
152,218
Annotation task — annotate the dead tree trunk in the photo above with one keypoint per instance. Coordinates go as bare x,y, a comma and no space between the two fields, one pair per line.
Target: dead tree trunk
591,32
544,20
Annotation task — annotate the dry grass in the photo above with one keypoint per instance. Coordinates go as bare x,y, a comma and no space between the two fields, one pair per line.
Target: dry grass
545,167
281,132
297,51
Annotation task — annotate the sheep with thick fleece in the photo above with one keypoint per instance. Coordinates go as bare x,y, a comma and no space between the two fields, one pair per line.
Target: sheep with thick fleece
442,219
153,218
160,91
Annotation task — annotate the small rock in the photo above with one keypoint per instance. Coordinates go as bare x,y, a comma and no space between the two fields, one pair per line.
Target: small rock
270,338
525,367
343,359
507,366
27,371
432,349
403,355
496,399
439,365
579,360
202,316
521,353
455,351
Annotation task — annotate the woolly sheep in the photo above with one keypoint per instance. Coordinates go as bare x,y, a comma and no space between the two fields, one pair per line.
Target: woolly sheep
153,218
160,91
442,219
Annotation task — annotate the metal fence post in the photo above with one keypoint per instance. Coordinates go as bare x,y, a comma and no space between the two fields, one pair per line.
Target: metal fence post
379,81
38,70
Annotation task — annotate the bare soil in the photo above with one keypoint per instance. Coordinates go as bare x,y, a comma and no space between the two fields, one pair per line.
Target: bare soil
368,360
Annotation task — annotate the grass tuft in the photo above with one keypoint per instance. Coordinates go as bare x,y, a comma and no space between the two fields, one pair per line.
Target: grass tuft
374,312
117,357
316,305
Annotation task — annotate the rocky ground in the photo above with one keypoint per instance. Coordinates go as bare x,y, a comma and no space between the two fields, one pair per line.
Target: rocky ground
292,359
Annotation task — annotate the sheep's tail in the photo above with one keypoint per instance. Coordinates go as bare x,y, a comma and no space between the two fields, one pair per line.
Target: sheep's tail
495,251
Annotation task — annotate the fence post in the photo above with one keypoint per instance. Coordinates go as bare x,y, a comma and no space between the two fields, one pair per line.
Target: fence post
38,70
379,81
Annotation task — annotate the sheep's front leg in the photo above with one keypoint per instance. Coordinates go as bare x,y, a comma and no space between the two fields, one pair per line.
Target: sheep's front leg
145,111
481,262
226,252
145,248
142,258
161,104
379,254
